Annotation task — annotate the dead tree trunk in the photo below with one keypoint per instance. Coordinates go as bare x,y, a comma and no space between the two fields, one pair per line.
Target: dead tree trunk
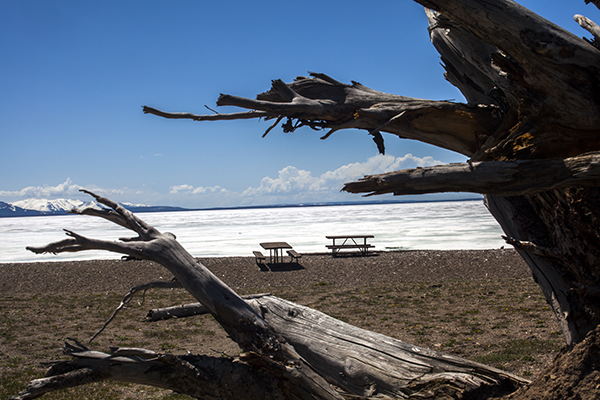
531,118
532,112
291,351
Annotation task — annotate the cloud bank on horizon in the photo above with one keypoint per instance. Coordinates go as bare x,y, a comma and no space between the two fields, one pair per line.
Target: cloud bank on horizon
291,186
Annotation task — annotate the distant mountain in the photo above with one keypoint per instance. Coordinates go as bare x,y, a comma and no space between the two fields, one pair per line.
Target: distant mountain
10,210
36,207
33,207
58,206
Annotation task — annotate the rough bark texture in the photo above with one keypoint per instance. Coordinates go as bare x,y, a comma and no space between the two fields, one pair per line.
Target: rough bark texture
360,361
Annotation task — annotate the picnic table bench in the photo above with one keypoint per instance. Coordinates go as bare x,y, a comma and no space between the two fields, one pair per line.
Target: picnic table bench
260,259
350,242
294,255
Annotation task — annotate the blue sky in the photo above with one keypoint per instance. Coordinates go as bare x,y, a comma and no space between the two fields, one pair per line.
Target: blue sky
75,75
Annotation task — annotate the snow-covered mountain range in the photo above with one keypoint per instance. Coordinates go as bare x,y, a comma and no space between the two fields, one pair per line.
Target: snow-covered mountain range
50,206
33,207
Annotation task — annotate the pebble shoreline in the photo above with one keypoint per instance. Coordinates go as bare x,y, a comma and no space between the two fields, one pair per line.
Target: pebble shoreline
243,273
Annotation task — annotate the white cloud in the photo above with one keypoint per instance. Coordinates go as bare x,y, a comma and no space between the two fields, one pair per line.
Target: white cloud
291,185
67,188
293,181
180,188
189,189
290,180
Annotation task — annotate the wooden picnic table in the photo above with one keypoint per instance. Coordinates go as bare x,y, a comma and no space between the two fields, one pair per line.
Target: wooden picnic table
274,249
350,242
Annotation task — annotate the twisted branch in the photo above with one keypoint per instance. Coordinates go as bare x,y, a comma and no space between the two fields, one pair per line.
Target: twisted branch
321,102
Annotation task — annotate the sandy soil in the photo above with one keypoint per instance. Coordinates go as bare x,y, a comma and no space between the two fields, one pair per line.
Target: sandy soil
480,304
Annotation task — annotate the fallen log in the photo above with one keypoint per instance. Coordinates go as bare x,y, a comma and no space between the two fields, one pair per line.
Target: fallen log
302,352
362,362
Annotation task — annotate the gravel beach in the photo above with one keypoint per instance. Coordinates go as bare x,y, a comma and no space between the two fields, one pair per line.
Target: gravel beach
346,270
478,304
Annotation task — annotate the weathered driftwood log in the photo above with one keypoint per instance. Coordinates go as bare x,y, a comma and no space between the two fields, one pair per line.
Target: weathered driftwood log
368,362
195,375
291,348
240,321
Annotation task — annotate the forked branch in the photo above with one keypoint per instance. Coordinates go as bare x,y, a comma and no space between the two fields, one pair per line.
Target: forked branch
321,102
129,296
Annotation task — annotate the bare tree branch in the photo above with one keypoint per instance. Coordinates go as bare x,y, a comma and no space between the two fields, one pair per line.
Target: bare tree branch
506,178
324,103
212,117
129,296
82,243
188,310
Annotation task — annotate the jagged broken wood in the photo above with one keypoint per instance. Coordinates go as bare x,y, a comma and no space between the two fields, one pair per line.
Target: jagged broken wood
454,126
291,347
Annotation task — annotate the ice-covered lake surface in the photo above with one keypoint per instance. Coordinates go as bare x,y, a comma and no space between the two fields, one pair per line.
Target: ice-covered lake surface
237,232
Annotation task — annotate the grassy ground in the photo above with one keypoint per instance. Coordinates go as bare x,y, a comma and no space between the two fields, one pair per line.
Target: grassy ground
505,323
